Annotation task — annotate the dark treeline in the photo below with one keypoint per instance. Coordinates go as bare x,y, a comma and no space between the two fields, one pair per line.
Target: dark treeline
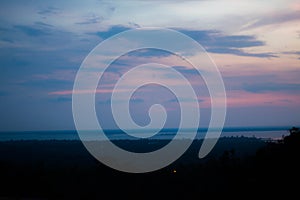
65,170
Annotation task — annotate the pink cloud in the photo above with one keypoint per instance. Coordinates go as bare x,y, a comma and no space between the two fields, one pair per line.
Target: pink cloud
98,91
247,99
67,75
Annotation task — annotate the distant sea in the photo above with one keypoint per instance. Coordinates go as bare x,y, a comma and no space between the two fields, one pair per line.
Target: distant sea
272,133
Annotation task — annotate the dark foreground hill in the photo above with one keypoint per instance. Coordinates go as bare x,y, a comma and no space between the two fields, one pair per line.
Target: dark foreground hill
65,170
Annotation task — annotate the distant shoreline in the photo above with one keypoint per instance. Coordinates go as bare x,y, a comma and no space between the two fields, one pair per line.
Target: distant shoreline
272,133
202,129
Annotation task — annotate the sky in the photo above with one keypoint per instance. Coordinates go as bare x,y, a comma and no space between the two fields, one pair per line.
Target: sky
254,44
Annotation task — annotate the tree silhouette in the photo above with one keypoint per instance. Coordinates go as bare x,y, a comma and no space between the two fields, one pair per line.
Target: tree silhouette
292,140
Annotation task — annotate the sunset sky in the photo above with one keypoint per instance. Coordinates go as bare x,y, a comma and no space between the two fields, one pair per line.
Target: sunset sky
255,44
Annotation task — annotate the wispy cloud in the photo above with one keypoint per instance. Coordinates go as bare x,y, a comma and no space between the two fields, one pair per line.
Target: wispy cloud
248,99
132,100
111,31
43,24
240,52
214,38
273,87
92,19
216,42
275,18
175,100
50,10
291,52
98,91
31,31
